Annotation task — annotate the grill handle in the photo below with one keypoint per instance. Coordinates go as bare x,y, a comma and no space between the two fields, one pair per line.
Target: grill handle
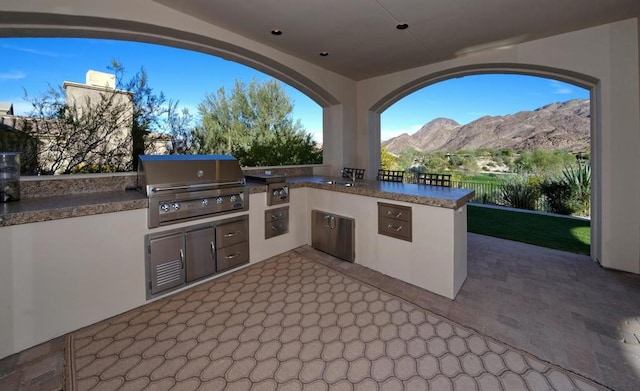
194,186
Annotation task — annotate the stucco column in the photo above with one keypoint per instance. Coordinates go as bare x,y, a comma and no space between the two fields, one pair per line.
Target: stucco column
339,140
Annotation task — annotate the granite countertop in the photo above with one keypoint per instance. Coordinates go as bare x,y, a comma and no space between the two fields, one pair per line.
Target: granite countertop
31,210
443,197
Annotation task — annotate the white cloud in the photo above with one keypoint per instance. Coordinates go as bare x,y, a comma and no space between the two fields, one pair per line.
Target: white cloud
560,88
32,51
12,75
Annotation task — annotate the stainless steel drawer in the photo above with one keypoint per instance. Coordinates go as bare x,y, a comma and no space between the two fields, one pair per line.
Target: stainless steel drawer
394,221
275,228
392,211
276,222
232,256
276,214
232,233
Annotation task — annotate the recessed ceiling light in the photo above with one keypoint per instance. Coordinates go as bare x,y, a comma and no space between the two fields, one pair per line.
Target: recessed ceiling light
402,26
276,32
324,54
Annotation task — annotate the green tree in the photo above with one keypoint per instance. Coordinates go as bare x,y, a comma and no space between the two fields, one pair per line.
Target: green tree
179,124
542,161
87,133
387,160
148,108
254,123
103,132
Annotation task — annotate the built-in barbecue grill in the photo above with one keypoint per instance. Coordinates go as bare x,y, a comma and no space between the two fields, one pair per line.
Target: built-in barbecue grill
188,187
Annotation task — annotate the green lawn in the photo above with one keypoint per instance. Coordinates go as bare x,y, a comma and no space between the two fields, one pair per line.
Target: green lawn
560,233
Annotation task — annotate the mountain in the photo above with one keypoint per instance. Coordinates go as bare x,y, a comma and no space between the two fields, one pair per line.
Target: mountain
561,125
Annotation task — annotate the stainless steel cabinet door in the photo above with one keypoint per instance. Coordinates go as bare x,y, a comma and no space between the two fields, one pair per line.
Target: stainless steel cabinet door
166,262
333,234
200,252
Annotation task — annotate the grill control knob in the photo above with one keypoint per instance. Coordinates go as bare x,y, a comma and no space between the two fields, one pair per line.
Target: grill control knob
219,200
275,192
176,206
205,202
282,192
164,207
233,198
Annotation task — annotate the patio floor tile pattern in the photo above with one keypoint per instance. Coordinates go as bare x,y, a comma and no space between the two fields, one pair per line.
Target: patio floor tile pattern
290,323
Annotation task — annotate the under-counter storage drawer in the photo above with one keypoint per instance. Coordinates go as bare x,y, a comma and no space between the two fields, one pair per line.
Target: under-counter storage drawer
394,221
392,211
232,233
276,214
276,222
231,256
275,228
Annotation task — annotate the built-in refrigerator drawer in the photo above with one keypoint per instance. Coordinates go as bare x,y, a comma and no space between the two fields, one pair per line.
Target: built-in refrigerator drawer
333,234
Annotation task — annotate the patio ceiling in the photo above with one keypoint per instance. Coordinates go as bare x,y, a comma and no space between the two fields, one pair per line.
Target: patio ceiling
361,35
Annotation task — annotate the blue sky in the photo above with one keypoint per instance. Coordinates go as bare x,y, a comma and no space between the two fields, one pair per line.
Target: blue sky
35,63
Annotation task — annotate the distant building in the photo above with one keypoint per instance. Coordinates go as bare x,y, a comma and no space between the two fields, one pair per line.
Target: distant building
6,108
96,97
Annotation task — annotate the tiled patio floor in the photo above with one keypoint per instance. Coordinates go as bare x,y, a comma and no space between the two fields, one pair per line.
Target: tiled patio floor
560,307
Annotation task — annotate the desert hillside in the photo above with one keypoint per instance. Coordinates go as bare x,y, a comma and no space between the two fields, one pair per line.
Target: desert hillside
562,125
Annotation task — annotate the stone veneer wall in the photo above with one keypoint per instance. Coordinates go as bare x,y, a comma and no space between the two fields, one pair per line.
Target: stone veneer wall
51,186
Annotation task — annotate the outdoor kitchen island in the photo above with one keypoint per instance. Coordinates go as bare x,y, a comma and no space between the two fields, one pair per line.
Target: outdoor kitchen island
70,261
435,255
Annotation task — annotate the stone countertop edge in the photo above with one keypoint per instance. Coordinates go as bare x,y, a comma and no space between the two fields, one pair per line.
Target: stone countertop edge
33,210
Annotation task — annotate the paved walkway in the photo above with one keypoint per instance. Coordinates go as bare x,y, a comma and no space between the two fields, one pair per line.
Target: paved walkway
560,307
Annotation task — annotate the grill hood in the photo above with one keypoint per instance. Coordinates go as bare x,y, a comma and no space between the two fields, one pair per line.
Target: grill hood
161,174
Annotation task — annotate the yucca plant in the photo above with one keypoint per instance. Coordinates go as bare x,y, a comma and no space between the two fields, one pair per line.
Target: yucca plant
521,192
579,179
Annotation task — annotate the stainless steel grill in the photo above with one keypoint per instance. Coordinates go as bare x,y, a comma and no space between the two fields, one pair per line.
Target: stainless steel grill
188,187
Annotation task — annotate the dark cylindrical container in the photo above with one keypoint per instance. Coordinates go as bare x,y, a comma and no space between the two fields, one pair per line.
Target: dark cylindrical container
9,176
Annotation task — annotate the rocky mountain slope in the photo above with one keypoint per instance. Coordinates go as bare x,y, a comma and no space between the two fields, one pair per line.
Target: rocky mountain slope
562,125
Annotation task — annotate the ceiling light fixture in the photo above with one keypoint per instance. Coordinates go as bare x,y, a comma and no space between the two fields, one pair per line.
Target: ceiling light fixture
324,54
402,26
276,32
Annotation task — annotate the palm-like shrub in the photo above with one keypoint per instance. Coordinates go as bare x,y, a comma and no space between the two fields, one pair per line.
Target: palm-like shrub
521,192
579,179
570,192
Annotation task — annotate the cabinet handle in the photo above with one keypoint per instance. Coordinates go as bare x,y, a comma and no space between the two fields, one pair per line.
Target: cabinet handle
327,221
230,234
182,258
236,255
397,216
276,217
213,248
397,229
333,222
278,228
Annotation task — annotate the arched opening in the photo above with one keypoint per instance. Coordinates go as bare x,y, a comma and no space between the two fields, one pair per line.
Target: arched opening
588,83
174,93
